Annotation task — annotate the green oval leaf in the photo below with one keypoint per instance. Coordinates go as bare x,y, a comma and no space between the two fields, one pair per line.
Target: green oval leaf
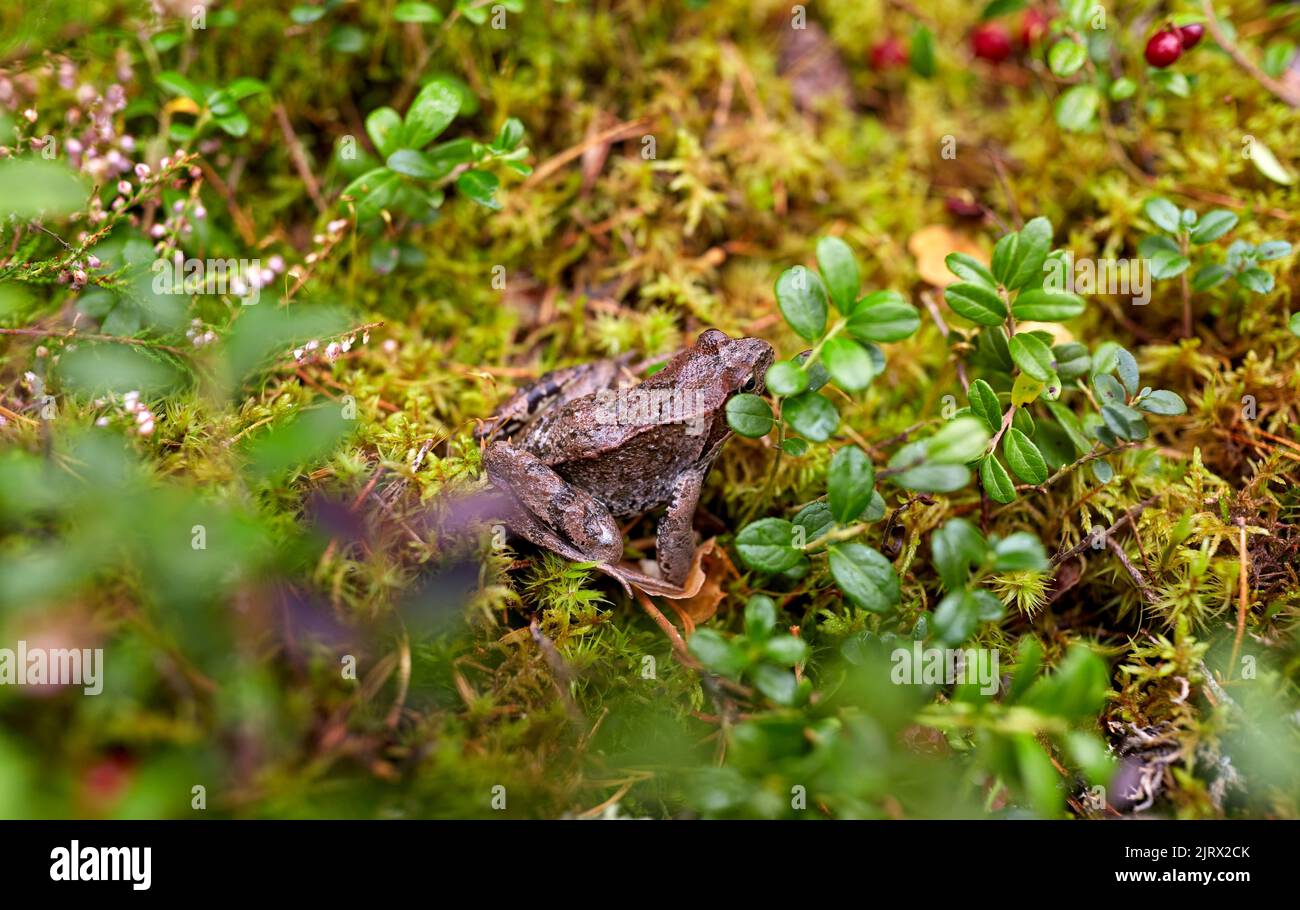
1066,57
767,545
1213,225
1163,214
786,378
1164,402
975,302
967,268
812,416
480,186
865,576
1023,457
1076,108
384,127
884,316
1042,305
1032,247
849,484
749,415
997,483
802,299
432,111
849,363
984,404
839,270
1033,356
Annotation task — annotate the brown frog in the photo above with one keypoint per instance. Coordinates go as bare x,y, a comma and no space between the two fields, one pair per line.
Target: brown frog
574,452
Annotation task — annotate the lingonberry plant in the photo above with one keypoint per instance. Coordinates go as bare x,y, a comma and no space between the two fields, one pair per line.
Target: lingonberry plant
412,180
1026,370
846,352
1185,240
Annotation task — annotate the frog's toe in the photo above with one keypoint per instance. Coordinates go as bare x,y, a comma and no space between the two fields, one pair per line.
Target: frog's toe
594,531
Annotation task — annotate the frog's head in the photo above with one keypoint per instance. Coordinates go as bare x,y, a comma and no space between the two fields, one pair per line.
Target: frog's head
743,361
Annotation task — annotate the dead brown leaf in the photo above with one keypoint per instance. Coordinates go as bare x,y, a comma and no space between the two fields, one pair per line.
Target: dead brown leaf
931,245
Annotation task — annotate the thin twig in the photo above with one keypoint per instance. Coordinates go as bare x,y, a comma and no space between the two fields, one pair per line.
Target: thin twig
1243,595
1283,92
1131,569
299,158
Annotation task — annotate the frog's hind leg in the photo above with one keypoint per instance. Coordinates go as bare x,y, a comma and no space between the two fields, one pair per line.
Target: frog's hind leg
675,537
550,511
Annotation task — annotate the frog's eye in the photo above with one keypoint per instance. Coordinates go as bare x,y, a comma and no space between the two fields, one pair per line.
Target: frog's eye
750,384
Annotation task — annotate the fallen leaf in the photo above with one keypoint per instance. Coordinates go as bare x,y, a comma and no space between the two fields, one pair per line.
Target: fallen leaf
717,567
628,574
931,245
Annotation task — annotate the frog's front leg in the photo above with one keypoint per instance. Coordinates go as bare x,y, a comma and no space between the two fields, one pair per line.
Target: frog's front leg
552,512
675,538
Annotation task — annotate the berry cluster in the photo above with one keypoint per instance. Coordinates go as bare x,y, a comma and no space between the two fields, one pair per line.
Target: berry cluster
992,41
1168,44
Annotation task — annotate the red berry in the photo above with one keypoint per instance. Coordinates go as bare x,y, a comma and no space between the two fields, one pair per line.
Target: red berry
990,41
1033,26
1191,34
963,208
1163,49
888,54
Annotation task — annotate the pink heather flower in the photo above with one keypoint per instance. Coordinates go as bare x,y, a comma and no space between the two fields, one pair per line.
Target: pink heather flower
93,261
200,212
73,146
101,422
276,263
142,170
127,142
390,345
78,278
337,225
332,350
146,428
30,115
86,94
